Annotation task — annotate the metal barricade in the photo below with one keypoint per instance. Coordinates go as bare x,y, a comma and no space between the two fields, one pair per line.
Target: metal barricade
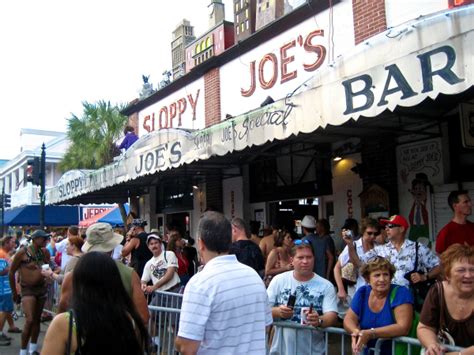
410,343
299,334
165,308
52,298
165,299
336,340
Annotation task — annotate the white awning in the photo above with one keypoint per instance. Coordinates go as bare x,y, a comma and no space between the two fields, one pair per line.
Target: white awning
400,67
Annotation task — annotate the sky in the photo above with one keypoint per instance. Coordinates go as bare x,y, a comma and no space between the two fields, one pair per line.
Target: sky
55,54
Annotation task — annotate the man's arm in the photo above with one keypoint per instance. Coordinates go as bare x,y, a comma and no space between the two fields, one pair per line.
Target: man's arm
166,277
186,346
139,299
13,269
132,244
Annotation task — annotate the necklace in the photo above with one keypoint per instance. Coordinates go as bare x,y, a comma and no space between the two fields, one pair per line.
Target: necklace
36,255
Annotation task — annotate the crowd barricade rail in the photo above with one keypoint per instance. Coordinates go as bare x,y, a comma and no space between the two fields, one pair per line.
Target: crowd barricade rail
410,342
52,298
340,333
163,328
345,348
165,309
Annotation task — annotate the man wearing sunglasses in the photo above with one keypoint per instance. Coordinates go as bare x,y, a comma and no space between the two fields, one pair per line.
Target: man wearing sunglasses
401,252
299,294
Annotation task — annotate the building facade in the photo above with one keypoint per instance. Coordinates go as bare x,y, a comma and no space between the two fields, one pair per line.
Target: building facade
13,172
255,131
182,36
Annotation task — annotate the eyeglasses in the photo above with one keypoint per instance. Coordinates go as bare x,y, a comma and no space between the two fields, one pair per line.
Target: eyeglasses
392,226
302,241
371,234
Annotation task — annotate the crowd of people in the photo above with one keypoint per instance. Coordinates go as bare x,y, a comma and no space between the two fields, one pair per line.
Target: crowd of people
374,279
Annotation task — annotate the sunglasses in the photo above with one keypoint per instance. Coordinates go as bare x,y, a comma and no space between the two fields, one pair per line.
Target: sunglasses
300,242
370,234
392,226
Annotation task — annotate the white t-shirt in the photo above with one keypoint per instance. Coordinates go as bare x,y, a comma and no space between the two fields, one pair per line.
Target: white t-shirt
226,308
117,254
156,268
61,248
317,291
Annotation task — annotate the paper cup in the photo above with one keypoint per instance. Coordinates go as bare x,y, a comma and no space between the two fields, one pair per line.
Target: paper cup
45,267
304,314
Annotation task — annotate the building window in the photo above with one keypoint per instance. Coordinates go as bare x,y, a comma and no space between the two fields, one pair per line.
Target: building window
247,24
237,29
247,13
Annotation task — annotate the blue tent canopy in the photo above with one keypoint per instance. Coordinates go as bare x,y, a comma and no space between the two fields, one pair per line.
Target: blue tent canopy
114,217
53,216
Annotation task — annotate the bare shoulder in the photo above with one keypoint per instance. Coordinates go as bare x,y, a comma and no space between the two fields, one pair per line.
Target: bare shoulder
59,324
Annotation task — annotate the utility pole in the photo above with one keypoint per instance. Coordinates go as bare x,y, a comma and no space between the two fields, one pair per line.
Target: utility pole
43,184
5,202
3,212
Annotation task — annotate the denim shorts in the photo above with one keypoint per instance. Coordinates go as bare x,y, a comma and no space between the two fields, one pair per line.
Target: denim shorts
6,303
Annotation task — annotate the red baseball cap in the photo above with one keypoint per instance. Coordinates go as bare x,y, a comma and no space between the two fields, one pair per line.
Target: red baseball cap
395,219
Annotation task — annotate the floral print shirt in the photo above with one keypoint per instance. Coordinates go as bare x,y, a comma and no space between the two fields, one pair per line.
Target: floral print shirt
404,260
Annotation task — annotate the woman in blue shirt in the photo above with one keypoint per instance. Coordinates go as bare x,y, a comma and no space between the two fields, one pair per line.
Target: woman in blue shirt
379,309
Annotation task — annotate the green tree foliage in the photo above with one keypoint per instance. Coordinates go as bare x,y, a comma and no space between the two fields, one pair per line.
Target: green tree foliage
92,136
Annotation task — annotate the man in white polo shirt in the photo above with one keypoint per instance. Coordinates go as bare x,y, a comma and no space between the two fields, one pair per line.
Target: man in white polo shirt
225,307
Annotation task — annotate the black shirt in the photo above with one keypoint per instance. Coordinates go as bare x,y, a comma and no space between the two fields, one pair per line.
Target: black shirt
248,253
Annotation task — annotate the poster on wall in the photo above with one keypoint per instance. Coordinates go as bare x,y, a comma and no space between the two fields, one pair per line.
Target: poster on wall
467,124
419,168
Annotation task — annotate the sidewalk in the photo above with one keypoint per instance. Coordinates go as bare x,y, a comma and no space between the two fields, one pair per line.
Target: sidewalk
14,347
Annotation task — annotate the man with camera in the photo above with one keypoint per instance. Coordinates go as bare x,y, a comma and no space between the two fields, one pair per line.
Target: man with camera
137,246
304,297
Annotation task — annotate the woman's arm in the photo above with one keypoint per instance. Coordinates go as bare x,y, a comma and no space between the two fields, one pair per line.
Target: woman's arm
427,337
403,320
56,337
270,268
341,292
351,325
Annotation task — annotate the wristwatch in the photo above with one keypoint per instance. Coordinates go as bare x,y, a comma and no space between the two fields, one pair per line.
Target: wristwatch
320,322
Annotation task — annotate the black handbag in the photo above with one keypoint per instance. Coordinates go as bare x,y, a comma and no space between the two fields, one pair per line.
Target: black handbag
419,289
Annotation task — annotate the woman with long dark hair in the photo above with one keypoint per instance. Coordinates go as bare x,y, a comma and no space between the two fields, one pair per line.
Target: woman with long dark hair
102,319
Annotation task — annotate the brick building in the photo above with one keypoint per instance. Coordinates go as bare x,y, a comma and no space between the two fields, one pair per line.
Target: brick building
255,130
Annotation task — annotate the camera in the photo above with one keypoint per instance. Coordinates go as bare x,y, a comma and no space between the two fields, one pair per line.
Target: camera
349,234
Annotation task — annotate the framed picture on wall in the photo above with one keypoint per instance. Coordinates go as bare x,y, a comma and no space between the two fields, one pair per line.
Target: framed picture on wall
466,113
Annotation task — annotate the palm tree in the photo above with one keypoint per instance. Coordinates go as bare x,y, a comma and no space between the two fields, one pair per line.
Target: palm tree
92,136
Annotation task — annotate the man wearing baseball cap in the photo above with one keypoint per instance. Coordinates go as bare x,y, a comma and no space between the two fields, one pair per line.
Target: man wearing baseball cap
413,261
161,269
28,262
101,238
